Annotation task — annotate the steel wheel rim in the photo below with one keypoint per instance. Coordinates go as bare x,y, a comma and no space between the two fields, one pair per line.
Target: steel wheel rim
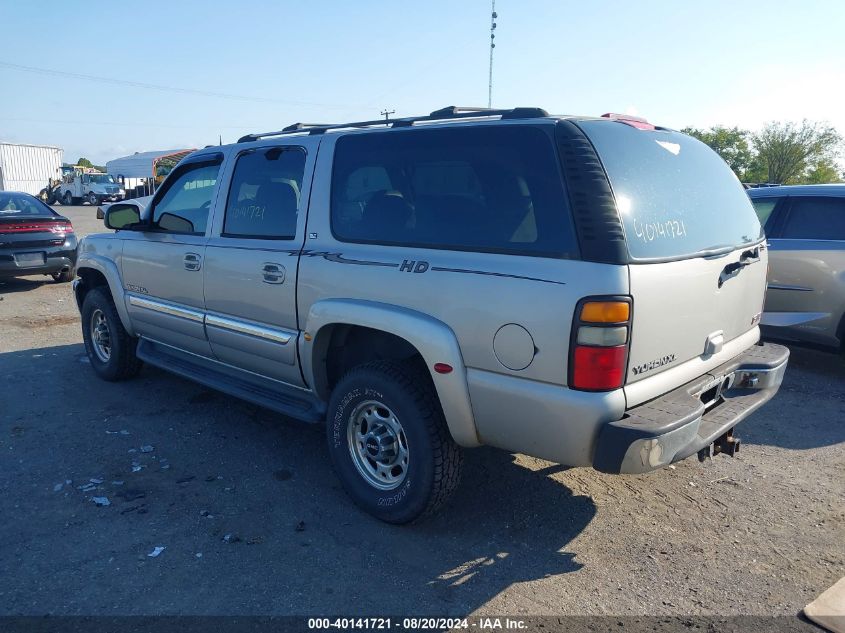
100,335
378,445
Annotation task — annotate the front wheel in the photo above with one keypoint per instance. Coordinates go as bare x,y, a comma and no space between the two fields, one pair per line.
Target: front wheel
110,348
389,442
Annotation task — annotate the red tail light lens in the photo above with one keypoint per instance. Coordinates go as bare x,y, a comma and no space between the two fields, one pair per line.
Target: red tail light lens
60,228
601,334
599,368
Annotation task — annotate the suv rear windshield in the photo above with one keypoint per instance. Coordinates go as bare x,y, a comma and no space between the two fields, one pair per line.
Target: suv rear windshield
479,188
676,197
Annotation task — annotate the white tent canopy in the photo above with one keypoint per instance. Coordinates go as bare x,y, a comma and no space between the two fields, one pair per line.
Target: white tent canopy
143,164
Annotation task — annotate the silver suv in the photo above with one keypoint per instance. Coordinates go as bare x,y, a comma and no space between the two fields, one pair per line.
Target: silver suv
806,229
583,290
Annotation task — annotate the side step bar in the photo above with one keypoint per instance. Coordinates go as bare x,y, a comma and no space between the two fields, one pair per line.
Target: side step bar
277,396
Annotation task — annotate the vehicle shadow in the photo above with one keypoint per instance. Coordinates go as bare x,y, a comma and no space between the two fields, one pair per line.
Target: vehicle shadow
21,284
302,547
517,523
809,409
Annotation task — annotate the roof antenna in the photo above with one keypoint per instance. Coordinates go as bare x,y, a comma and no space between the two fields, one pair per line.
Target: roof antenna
493,17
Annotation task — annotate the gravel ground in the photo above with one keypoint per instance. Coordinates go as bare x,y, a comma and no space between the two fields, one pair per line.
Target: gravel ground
760,534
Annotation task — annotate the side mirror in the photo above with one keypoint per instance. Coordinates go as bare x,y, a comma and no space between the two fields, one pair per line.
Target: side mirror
125,217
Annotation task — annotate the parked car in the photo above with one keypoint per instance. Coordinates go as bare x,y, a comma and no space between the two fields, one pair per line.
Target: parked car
806,229
583,290
34,239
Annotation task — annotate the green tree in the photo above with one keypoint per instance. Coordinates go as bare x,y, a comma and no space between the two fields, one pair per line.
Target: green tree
790,151
84,162
730,143
824,171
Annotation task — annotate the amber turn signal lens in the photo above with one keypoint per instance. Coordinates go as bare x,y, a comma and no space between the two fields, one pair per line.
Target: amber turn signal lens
605,312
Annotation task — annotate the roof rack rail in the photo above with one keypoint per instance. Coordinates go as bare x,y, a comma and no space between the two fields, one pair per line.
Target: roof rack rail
302,126
450,112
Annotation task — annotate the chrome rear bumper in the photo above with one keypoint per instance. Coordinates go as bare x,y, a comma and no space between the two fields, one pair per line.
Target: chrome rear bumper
690,418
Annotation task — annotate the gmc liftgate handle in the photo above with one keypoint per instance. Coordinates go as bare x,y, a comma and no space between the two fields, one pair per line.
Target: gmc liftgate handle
748,257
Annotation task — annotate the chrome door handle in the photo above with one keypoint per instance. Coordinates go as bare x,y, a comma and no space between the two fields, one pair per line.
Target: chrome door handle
273,273
192,261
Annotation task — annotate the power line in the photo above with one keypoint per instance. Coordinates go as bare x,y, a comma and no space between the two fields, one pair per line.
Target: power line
140,84
133,124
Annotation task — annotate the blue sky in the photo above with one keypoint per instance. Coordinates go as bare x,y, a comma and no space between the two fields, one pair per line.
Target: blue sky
677,63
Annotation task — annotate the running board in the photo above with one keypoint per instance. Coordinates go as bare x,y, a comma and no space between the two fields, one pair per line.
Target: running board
271,394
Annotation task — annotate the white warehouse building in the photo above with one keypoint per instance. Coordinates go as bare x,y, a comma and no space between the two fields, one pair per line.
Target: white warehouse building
28,168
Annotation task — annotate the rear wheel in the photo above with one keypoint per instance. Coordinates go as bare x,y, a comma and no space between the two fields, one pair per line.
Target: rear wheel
389,442
67,199
92,199
110,348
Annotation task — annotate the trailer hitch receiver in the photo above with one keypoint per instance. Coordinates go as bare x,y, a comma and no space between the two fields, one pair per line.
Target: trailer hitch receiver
727,444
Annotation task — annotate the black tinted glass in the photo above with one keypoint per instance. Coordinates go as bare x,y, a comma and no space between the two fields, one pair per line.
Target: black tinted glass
816,219
675,196
16,205
185,204
264,195
763,207
485,188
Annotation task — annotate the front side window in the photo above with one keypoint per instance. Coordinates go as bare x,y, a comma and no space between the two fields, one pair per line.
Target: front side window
815,219
480,188
185,205
265,194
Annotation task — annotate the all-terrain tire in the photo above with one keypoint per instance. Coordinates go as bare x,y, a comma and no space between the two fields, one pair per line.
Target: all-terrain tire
434,459
122,363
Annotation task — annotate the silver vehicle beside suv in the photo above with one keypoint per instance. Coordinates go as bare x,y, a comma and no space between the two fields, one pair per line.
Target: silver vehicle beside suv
583,290
805,225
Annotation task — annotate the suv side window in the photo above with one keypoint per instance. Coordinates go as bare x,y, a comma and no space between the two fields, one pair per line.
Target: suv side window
185,204
480,188
763,207
815,219
265,193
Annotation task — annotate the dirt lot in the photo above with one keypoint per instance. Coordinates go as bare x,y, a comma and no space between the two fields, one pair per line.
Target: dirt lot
762,533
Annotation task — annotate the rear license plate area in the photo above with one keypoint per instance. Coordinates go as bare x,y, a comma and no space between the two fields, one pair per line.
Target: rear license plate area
29,259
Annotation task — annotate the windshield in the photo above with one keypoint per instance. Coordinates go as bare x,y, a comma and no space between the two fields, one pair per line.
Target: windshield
101,178
17,205
676,197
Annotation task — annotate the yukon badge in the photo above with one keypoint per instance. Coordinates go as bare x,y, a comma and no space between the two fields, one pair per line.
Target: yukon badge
653,364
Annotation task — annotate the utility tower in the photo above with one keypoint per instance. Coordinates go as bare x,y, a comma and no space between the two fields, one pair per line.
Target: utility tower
493,17
386,113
